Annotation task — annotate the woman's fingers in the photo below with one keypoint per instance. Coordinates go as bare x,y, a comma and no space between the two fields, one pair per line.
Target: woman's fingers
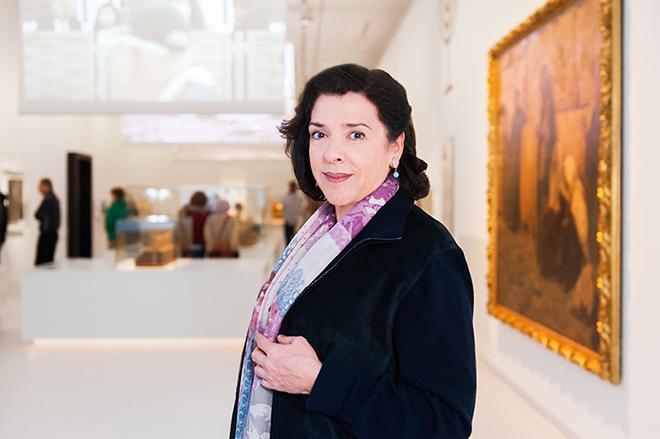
285,339
273,365
258,356
260,372
263,343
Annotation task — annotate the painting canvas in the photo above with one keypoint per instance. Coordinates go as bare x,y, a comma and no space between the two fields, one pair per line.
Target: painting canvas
15,196
11,184
554,181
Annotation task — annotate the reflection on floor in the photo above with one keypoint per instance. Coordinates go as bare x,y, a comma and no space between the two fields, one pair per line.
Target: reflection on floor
162,390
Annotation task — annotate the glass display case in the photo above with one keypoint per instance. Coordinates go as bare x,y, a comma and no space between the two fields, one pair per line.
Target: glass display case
146,242
153,200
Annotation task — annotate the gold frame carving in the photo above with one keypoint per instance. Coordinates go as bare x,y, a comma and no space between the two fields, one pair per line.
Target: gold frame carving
606,363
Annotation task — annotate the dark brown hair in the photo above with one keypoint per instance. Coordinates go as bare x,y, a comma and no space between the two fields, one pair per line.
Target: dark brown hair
118,193
46,182
198,199
394,112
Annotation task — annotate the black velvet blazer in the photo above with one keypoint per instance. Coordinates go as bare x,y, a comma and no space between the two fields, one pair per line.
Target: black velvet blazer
390,318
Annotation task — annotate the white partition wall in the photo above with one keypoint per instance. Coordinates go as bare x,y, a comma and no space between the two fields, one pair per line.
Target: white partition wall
190,299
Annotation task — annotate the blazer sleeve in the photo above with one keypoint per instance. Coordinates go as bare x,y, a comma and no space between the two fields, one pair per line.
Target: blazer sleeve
432,393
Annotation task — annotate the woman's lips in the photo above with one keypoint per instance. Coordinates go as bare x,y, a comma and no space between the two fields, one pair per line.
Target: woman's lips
336,177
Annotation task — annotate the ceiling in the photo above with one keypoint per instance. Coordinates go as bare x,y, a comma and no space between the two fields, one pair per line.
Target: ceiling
331,32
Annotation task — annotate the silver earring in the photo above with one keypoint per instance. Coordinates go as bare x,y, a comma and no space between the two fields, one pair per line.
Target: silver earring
395,174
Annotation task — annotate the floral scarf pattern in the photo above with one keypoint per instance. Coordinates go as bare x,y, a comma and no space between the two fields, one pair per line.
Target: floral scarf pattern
317,243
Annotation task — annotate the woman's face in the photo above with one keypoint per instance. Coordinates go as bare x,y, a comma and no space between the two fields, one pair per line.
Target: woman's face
349,151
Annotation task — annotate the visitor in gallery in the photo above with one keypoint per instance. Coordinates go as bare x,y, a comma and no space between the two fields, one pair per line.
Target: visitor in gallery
48,215
364,327
190,227
292,208
108,16
238,211
4,219
248,231
118,210
221,232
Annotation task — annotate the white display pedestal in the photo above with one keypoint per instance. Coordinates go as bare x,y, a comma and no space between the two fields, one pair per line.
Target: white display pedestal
187,299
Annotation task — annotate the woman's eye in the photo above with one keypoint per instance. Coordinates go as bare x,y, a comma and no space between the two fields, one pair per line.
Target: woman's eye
356,135
317,135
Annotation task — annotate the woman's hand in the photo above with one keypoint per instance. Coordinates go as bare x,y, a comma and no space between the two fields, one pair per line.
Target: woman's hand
289,366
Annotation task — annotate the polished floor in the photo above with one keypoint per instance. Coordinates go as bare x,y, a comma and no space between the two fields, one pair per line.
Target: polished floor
150,389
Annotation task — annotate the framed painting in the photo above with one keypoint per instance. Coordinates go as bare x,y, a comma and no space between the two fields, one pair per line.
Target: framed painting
554,181
15,195
11,183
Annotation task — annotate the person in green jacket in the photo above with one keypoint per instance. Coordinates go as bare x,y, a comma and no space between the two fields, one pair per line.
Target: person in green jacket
118,210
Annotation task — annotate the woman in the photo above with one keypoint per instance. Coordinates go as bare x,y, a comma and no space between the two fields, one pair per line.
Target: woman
117,211
221,232
364,327
4,219
190,226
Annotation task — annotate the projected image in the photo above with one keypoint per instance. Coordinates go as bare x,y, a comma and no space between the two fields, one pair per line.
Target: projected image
205,129
120,52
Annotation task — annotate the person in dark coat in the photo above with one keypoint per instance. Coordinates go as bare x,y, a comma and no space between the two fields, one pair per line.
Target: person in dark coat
48,215
364,327
4,219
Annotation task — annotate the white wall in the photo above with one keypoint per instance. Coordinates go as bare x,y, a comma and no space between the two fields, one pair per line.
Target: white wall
416,65
580,404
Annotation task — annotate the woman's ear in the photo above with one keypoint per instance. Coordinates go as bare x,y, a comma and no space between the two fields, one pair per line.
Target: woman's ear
398,145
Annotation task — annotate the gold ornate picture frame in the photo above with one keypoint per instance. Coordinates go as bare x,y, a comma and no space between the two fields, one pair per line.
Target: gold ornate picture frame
554,194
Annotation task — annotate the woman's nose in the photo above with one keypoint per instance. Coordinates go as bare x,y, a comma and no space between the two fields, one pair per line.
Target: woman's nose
334,152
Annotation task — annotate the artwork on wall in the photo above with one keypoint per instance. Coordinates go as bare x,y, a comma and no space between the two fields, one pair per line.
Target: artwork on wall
11,183
15,196
554,181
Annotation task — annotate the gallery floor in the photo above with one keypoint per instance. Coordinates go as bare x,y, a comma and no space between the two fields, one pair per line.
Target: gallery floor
162,390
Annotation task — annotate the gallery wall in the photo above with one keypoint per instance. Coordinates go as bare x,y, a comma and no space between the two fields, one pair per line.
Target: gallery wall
578,403
413,58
